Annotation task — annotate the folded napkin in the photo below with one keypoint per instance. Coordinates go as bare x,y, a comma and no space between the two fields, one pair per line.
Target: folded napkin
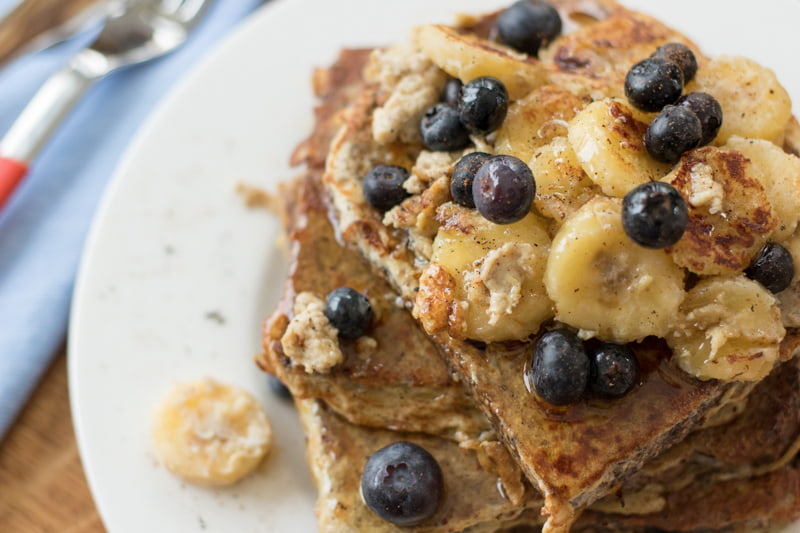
44,225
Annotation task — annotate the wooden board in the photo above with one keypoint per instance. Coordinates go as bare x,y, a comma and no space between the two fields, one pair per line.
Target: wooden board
41,479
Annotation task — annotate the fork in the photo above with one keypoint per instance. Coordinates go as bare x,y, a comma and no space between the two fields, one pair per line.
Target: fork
139,31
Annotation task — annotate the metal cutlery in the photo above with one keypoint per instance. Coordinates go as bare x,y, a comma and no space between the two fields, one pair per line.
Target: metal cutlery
141,30
36,25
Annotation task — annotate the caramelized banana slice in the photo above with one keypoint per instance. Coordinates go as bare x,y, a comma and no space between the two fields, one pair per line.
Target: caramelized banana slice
730,215
596,57
605,284
731,329
561,184
754,104
468,57
209,433
608,139
485,279
780,175
535,120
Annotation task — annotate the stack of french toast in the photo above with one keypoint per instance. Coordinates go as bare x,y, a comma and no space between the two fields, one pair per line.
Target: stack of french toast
464,307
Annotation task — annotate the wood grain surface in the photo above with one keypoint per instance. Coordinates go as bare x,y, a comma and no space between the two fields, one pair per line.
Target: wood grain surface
42,484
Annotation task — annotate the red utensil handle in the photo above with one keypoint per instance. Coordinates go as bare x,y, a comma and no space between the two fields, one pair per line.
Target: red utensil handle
11,173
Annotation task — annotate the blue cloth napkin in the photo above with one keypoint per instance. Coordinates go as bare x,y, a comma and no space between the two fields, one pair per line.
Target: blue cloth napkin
44,225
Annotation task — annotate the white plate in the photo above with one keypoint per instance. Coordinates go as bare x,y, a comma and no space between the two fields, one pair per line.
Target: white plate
178,275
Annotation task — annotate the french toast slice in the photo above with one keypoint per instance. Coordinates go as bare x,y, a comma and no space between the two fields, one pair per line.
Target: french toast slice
337,451
398,381
746,446
766,502
731,485
575,454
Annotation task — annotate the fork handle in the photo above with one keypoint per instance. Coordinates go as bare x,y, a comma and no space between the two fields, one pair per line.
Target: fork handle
11,173
48,107
40,118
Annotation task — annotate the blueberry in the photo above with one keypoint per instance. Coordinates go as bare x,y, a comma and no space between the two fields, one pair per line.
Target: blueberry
452,91
653,83
773,268
654,214
707,110
402,483
278,388
681,55
463,176
675,130
349,311
528,25
614,370
559,369
441,129
383,186
483,105
503,189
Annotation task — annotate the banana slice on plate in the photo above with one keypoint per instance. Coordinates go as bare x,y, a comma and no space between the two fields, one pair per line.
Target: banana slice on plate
209,433
605,284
